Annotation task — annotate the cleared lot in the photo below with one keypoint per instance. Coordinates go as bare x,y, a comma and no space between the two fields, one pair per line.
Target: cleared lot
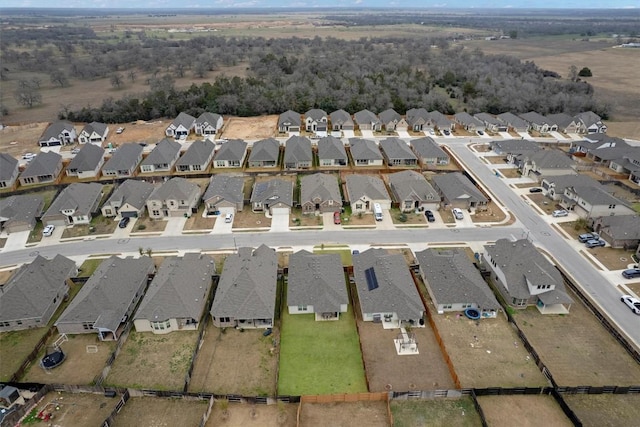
523,411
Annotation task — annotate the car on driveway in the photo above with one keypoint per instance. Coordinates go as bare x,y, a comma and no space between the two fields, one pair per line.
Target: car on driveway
594,243
632,303
559,213
457,213
124,222
631,273
446,132
336,218
480,133
429,215
28,156
588,236
535,190
48,230
75,151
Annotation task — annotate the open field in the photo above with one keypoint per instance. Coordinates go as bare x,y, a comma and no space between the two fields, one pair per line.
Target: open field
320,357
15,346
76,409
357,414
595,410
147,411
158,362
241,415
435,412
530,411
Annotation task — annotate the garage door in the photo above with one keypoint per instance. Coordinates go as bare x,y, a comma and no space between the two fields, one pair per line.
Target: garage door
128,214
280,211
226,210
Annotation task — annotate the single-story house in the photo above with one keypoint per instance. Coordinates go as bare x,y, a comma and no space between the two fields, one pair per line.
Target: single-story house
331,152
365,152
108,298
76,204
341,120
620,231
492,123
34,292
386,291
458,191
94,133
591,123
315,120
538,122
564,122
231,154
316,285
177,197
546,163
511,148
265,154
128,199
469,122
454,283
273,196
162,158
197,157
397,153
19,212
412,191
181,126
58,133
392,121
429,153
246,293
177,297
44,168
289,121
524,277
514,122
87,163
225,192
208,124
320,193
366,120
297,153
440,121
417,119
364,191
9,170
124,161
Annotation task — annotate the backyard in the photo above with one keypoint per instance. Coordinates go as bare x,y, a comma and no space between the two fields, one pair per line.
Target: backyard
76,409
435,412
605,409
150,411
320,357
356,414
15,346
530,411
246,415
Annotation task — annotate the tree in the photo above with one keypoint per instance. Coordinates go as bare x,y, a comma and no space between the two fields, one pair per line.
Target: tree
585,72
573,73
59,77
132,75
513,34
27,94
117,80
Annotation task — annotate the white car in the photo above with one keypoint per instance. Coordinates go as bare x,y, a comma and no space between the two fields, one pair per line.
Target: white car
228,218
632,303
457,213
559,213
75,151
48,230
119,130
28,156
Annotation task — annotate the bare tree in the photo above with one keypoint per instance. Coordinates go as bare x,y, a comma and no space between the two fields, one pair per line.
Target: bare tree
59,77
27,94
132,75
573,73
117,80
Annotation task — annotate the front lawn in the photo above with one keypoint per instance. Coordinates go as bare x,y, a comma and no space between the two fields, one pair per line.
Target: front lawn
320,357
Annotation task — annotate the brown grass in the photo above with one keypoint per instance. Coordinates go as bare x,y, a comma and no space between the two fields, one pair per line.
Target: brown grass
249,219
198,222
371,414
605,409
532,411
242,415
149,411
77,409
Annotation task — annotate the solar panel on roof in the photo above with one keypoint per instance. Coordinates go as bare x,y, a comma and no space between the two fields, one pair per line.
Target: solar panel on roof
372,280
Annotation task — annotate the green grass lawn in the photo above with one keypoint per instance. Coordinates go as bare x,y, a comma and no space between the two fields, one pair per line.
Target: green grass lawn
345,253
636,207
320,357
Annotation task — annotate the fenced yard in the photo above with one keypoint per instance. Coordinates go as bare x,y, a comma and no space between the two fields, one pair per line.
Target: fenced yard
528,410
158,362
320,357
605,409
356,414
435,412
76,409
15,346
148,411
245,415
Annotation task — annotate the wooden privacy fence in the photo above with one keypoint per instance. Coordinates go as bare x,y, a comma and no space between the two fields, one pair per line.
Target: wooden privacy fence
32,356
345,397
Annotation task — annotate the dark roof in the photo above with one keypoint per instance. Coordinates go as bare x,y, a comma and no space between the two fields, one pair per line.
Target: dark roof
341,117
232,150
331,147
132,192
79,197
359,186
21,208
87,159
551,159
176,188
125,158
289,118
455,186
514,146
364,149
534,118
197,153
225,187
184,119
8,166
410,185
165,151
265,150
97,127
320,185
395,148
45,163
621,227
208,118
55,129
513,120
427,148
297,149
389,115
315,114
273,191
366,117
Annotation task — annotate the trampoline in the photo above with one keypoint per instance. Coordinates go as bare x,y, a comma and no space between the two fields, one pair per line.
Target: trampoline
472,313
53,359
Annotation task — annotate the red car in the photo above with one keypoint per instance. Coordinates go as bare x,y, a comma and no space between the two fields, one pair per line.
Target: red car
336,218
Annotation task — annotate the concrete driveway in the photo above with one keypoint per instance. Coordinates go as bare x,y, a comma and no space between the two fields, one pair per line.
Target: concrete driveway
279,222
403,134
17,240
367,133
525,135
174,226
348,134
327,222
505,135
387,222
558,136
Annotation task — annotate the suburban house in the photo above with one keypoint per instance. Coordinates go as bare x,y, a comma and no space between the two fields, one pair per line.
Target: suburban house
331,152
492,123
181,126
289,121
176,197
514,122
564,122
366,120
364,191
392,121
315,120
524,277
365,152
76,204
429,153
87,163
94,133
224,193
538,122
417,119
273,196
387,293
34,292
469,122
162,158
58,133
457,191
555,185
590,144
20,212
9,170
265,154
44,168
546,163
177,297
397,153
512,148
341,120
591,202
128,199
620,231
316,285
454,283
320,193
412,191
590,123
246,294
208,124
197,157
108,298
231,154
440,121
297,153
124,161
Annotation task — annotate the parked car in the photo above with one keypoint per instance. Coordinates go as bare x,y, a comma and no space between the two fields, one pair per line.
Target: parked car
75,151
632,303
336,218
28,156
457,213
631,273
124,222
429,215
535,190
480,133
594,243
48,230
431,132
446,132
119,130
559,213
355,252
228,218
588,236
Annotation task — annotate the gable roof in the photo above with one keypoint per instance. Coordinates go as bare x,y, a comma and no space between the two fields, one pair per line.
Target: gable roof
427,148
514,146
132,192
265,150
389,115
97,127
361,186
31,290
297,149
364,149
315,114
560,182
440,119
87,159
208,118
21,208
331,147
125,158
232,150
366,117
551,159
56,128
467,119
80,197
176,188
317,280
185,120
273,191
340,117
534,118
455,186
197,153
488,118
512,120
324,186
589,118
288,118
396,291
225,187
416,114
165,151
247,287
561,119
179,289
597,195
8,166
395,148
410,185
621,227
45,163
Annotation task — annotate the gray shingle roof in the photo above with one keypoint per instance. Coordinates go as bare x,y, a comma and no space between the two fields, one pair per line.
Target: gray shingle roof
125,158
208,118
364,149
175,189
179,289
621,227
45,163
442,121
297,149
588,118
87,159
316,114
467,119
561,119
232,150
319,185
247,287
132,192
395,148
416,114
273,191
560,182
341,117
184,119
55,129
109,292
165,151
514,146
289,118
265,150
97,127
596,195
331,147
453,279
551,159
488,118
80,197
31,289
8,165
22,208
410,185
226,187
396,291
534,118
512,120
316,280
366,117
359,186
197,153
389,115
427,148
455,186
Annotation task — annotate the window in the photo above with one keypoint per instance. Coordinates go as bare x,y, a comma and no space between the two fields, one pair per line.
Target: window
197,167
19,322
5,324
155,213
612,206
220,163
302,308
359,206
87,326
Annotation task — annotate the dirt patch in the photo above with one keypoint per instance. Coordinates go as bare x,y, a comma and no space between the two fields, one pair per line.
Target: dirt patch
198,222
146,224
158,362
492,213
298,219
635,287
496,160
241,415
15,346
6,275
158,412
138,131
250,127
605,409
480,148
529,410
544,203
435,412
249,219
510,173
80,367
76,409
234,362
21,139
371,414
